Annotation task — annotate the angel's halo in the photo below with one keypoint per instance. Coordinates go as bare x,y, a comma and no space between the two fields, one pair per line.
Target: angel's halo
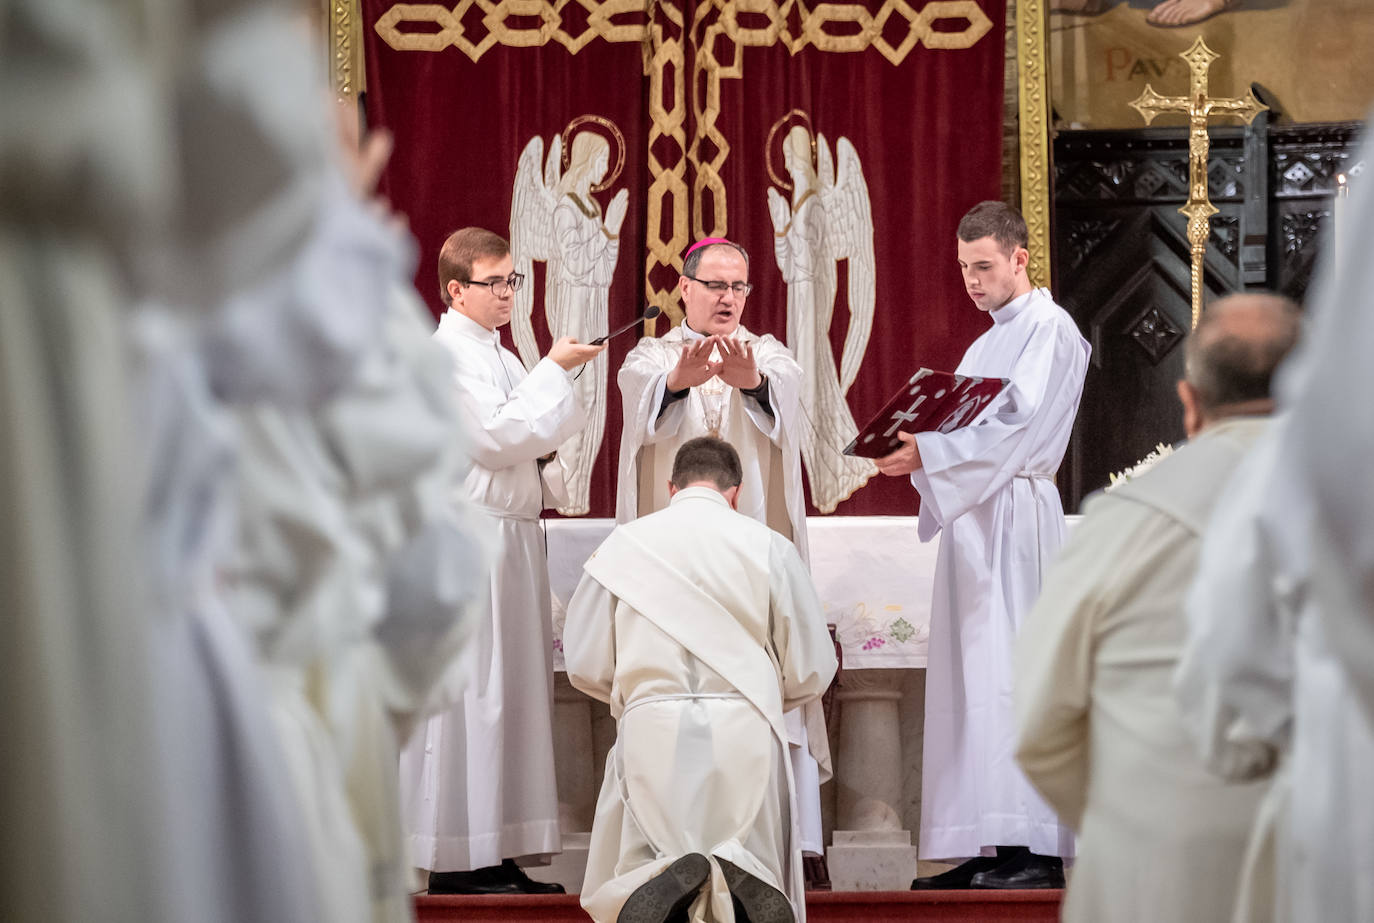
612,134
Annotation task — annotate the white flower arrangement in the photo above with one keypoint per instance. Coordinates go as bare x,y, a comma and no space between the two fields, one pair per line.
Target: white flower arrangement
1161,452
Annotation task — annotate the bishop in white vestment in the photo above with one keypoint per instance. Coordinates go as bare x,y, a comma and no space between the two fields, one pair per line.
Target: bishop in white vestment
478,780
1099,732
682,385
989,488
699,626
762,422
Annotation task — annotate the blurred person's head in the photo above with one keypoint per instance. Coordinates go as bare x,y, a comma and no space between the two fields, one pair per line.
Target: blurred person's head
707,462
1231,357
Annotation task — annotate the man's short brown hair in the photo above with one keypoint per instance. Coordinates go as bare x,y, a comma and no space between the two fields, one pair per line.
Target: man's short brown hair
707,458
997,220
463,248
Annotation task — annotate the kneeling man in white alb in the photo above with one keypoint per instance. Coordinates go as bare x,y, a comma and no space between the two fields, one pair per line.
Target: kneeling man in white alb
700,627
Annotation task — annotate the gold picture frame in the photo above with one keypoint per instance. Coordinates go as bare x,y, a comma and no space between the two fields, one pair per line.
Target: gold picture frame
344,45
1033,111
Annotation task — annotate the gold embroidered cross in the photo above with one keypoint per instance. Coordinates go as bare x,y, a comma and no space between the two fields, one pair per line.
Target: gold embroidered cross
1199,108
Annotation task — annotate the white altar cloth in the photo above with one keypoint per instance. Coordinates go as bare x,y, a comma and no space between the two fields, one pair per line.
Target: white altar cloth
873,575
871,572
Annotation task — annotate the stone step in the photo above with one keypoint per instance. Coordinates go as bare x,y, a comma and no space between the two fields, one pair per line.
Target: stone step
821,907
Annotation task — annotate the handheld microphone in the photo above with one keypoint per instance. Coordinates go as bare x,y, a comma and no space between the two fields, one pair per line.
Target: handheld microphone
650,313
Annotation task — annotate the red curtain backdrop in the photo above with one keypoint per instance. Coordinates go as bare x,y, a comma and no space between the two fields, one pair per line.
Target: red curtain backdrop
694,89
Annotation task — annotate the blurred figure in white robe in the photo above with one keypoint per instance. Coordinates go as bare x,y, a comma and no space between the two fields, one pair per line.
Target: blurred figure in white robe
1279,673
1098,731
169,156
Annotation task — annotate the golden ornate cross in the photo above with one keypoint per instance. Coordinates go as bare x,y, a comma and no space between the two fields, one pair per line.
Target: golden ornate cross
1199,108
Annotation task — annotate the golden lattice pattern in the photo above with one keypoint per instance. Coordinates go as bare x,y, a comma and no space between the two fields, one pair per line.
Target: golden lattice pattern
666,209
720,28
733,25
507,23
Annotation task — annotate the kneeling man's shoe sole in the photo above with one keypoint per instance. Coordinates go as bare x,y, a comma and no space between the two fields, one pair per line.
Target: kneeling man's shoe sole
762,902
668,893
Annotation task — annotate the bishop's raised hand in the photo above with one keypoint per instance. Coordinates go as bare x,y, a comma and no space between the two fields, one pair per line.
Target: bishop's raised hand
737,366
694,366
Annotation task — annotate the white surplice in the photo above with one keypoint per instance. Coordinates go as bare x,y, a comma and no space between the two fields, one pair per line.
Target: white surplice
1099,733
770,492
1266,696
171,150
698,626
1332,813
478,779
273,343
990,488
1235,679
1331,818
352,572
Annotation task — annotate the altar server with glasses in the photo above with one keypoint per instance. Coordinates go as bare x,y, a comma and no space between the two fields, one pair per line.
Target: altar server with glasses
478,779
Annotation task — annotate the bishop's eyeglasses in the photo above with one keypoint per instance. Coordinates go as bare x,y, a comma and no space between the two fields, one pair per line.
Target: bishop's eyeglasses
502,287
717,287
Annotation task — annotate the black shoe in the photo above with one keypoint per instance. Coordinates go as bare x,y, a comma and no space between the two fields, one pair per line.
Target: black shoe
525,884
490,879
957,878
1024,871
816,873
669,893
759,901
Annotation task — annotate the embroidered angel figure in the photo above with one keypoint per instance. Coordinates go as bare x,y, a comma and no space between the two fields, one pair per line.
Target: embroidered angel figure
828,219
555,219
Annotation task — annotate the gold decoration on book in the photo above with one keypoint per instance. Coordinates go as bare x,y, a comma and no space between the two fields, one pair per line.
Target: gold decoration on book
1199,107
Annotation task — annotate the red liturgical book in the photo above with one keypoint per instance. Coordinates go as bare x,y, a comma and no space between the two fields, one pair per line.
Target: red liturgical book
930,400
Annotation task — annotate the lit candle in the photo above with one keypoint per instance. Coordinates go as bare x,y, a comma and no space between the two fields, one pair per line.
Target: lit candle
1339,207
